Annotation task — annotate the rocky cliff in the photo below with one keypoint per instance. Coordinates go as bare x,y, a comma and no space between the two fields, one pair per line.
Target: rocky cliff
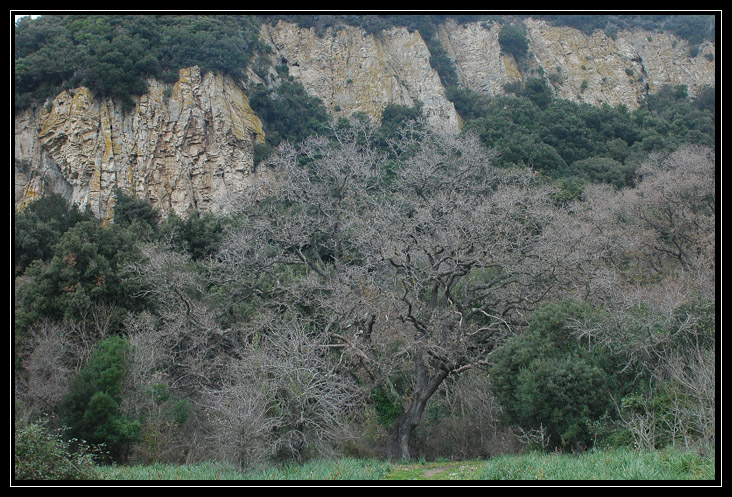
595,69
352,72
184,147
190,145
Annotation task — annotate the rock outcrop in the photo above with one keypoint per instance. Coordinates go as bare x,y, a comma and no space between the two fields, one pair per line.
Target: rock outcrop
595,69
598,69
354,72
189,146
184,147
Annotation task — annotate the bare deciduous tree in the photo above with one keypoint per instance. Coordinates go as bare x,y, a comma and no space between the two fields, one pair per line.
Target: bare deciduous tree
186,341
665,224
285,397
56,353
264,387
463,420
418,272
47,370
180,350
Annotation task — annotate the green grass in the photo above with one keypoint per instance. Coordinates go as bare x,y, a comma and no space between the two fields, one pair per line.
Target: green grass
603,465
201,471
341,469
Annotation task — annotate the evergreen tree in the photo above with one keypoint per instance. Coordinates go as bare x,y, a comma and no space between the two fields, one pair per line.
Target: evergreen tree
88,268
513,41
40,226
92,408
547,379
136,213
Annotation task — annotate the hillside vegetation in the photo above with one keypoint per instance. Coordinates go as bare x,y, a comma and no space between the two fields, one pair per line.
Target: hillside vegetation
114,54
544,282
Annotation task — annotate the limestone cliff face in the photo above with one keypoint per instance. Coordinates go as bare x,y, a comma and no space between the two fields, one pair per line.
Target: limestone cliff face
355,72
592,68
190,146
184,147
351,71
621,70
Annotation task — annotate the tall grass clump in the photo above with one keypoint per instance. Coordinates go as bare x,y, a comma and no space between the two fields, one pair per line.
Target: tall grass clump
341,469
200,471
617,464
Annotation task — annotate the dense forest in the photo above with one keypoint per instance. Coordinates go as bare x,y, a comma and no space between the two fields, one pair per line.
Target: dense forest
546,279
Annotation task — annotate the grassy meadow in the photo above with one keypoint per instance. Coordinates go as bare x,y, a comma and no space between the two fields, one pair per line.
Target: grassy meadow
591,466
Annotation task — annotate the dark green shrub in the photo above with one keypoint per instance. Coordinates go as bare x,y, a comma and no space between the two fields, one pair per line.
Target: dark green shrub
199,235
513,41
538,91
39,227
548,379
568,190
261,152
288,112
393,118
387,404
442,63
706,99
602,170
88,268
470,104
138,213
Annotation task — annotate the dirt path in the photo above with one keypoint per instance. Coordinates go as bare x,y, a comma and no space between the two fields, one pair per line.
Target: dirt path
465,470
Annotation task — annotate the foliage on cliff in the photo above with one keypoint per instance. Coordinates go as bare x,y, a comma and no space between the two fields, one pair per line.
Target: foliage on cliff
595,144
114,54
694,28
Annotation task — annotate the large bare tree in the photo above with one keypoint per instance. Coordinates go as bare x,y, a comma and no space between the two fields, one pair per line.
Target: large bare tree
414,263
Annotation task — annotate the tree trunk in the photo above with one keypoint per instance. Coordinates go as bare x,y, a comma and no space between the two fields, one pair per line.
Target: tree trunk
400,438
404,426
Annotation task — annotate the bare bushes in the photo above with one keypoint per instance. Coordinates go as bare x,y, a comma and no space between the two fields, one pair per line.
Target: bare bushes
655,277
50,354
287,397
463,422
269,388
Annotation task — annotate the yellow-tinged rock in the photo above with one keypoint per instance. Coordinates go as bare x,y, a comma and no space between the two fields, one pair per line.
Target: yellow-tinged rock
185,149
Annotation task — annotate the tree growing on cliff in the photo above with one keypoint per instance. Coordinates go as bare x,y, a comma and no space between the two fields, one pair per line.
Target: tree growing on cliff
412,279
512,39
